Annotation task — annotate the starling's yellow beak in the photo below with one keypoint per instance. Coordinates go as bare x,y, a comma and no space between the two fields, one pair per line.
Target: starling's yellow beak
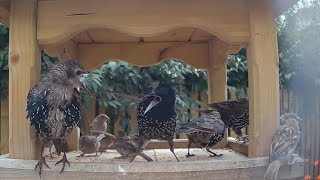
85,88
153,103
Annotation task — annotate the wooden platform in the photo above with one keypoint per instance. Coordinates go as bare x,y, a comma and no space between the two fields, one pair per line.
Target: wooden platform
230,166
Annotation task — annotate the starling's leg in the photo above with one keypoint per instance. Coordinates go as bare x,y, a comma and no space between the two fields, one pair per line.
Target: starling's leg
170,141
64,159
144,156
41,161
214,154
189,145
51,157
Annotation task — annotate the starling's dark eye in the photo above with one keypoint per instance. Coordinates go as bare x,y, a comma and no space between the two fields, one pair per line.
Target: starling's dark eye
78,72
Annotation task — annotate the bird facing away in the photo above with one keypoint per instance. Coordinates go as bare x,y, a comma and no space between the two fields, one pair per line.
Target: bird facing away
235,115
54,107
206,131
100,123
126,148
105,142
90,144
283,145
157,117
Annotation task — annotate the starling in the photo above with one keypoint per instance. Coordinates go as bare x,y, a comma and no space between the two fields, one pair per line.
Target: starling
105,142
284,143
157,117
235,115
207,131
54,107
126,148
100,123
90,144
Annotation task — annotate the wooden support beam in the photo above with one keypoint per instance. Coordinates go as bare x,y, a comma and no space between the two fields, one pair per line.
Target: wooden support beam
4,126
263,67
143,54
24,71
226,19
217,74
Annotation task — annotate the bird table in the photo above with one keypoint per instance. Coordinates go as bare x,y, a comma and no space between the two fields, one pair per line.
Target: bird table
143,32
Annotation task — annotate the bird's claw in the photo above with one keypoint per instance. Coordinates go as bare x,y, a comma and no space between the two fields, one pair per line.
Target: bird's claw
216,155
64,160
39,164
189,155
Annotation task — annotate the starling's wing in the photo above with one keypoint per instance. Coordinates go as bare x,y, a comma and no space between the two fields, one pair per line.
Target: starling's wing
38,110
206,123
84,123
284,141
72,113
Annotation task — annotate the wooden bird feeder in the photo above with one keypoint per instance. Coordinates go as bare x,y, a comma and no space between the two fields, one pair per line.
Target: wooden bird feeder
201,33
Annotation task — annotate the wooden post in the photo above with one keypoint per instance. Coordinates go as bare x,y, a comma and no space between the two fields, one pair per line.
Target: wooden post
263,78
217,75
24,71
4,125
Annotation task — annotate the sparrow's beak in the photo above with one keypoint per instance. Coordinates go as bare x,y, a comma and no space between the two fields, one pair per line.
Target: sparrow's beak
153,103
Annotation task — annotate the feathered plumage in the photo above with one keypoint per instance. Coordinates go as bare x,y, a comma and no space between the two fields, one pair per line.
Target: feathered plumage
206,131
157,117
284,143
127,148
54,107
90,144
100,123
235,114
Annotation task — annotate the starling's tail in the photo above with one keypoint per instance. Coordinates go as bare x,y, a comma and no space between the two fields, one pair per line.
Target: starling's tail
145,156
272,171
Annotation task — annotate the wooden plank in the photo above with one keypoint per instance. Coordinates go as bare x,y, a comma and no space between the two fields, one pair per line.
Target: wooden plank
263,78
24,71
4,126
176,35
4,16
217,74
67,50
226,19
110,36
143,54
82,37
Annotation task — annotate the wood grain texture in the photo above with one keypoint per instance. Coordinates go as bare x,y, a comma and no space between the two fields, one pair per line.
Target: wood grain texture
24,71
263,67
4,126
143,54
226,19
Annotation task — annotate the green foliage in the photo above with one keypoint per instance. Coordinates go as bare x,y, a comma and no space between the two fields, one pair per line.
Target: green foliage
113,79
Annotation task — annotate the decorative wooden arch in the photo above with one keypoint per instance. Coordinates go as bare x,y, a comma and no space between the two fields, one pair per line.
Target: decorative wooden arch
60,26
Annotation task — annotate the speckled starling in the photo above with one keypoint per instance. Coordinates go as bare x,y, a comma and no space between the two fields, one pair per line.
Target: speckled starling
90,144
284,143
206,131
54,107
100,123
157,117
126,148
235,115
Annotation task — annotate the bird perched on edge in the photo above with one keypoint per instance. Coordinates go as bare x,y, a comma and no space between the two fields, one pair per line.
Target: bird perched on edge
54,107
283,145
90,144
100,123
206,131
235,115
157,117
126,148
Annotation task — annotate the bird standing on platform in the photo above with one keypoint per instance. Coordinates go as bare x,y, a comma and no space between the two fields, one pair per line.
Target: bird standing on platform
90,144
157,117
235,115
206,131
106,141
126,148
284,143
54,107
